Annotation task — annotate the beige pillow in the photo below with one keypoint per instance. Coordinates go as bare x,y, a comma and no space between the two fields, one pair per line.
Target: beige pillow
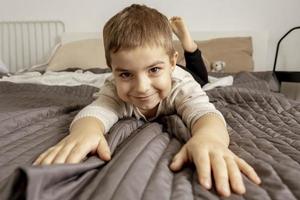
236,52
83,54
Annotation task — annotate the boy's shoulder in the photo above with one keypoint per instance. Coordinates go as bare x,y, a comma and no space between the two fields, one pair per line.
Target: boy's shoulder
180,74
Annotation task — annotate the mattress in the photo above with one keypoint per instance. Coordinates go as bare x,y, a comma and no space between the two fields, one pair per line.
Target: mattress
263,126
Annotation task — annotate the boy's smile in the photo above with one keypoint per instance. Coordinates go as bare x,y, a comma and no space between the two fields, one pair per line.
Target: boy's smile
143,76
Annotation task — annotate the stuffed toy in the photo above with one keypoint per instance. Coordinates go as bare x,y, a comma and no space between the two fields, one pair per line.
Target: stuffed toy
218,66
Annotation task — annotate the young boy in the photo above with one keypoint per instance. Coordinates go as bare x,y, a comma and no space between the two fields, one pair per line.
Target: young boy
146,84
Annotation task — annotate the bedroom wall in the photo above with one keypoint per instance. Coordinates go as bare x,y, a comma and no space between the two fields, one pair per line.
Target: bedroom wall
275,16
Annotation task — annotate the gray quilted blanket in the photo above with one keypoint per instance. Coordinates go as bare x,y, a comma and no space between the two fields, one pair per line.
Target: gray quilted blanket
264,128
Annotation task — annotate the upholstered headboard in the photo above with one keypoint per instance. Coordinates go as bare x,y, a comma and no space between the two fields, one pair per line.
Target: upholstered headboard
246,50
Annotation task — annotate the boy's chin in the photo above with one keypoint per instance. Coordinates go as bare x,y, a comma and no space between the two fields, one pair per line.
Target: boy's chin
147,105
147,108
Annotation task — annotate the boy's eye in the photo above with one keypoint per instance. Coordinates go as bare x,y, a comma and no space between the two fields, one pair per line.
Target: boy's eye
125,75
155,70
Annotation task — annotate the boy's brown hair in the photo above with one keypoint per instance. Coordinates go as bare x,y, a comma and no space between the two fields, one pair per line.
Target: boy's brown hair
137,26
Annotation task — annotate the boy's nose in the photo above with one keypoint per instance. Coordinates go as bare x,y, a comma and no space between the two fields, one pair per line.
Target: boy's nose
142,85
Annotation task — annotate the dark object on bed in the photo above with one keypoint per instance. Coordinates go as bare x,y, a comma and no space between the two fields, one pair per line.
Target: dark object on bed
285,76
263,126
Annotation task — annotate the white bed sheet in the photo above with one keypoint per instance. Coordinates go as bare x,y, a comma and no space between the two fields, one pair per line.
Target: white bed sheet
59,78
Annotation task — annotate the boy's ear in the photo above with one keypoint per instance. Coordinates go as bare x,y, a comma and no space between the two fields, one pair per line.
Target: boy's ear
174,60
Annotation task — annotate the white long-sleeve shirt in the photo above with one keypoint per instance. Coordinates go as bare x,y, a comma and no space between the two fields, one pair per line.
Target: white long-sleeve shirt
186,99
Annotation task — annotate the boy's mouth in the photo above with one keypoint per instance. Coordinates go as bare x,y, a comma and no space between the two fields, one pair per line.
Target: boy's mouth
144,97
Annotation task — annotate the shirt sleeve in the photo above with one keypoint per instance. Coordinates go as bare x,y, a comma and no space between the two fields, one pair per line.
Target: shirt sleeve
108,108
191,102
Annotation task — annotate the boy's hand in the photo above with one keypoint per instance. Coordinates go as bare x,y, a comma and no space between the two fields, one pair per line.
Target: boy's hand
74,147
211,156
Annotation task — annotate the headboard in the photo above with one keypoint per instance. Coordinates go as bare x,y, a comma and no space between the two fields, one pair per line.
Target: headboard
27,43
259,41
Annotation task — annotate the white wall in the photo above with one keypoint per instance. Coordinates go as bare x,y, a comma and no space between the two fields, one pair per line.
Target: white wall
275,16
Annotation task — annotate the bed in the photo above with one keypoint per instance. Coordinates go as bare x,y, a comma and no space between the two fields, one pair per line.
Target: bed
35,113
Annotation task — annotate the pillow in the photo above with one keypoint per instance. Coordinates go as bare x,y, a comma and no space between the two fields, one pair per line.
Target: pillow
236,52
82,54
3,68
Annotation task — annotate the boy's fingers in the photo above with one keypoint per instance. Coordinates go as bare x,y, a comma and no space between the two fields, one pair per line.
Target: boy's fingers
235,176
103,149
41,157
50,155
202,163
77,153
179,159
248,170
62,155
220,174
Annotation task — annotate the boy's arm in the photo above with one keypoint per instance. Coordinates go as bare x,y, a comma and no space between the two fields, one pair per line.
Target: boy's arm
86,135
208,149
87,130
211,122
93,125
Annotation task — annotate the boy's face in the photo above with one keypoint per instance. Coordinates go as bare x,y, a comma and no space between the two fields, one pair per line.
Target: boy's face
143,76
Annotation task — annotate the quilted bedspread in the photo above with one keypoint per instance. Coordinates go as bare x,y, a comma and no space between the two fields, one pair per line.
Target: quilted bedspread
264,129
